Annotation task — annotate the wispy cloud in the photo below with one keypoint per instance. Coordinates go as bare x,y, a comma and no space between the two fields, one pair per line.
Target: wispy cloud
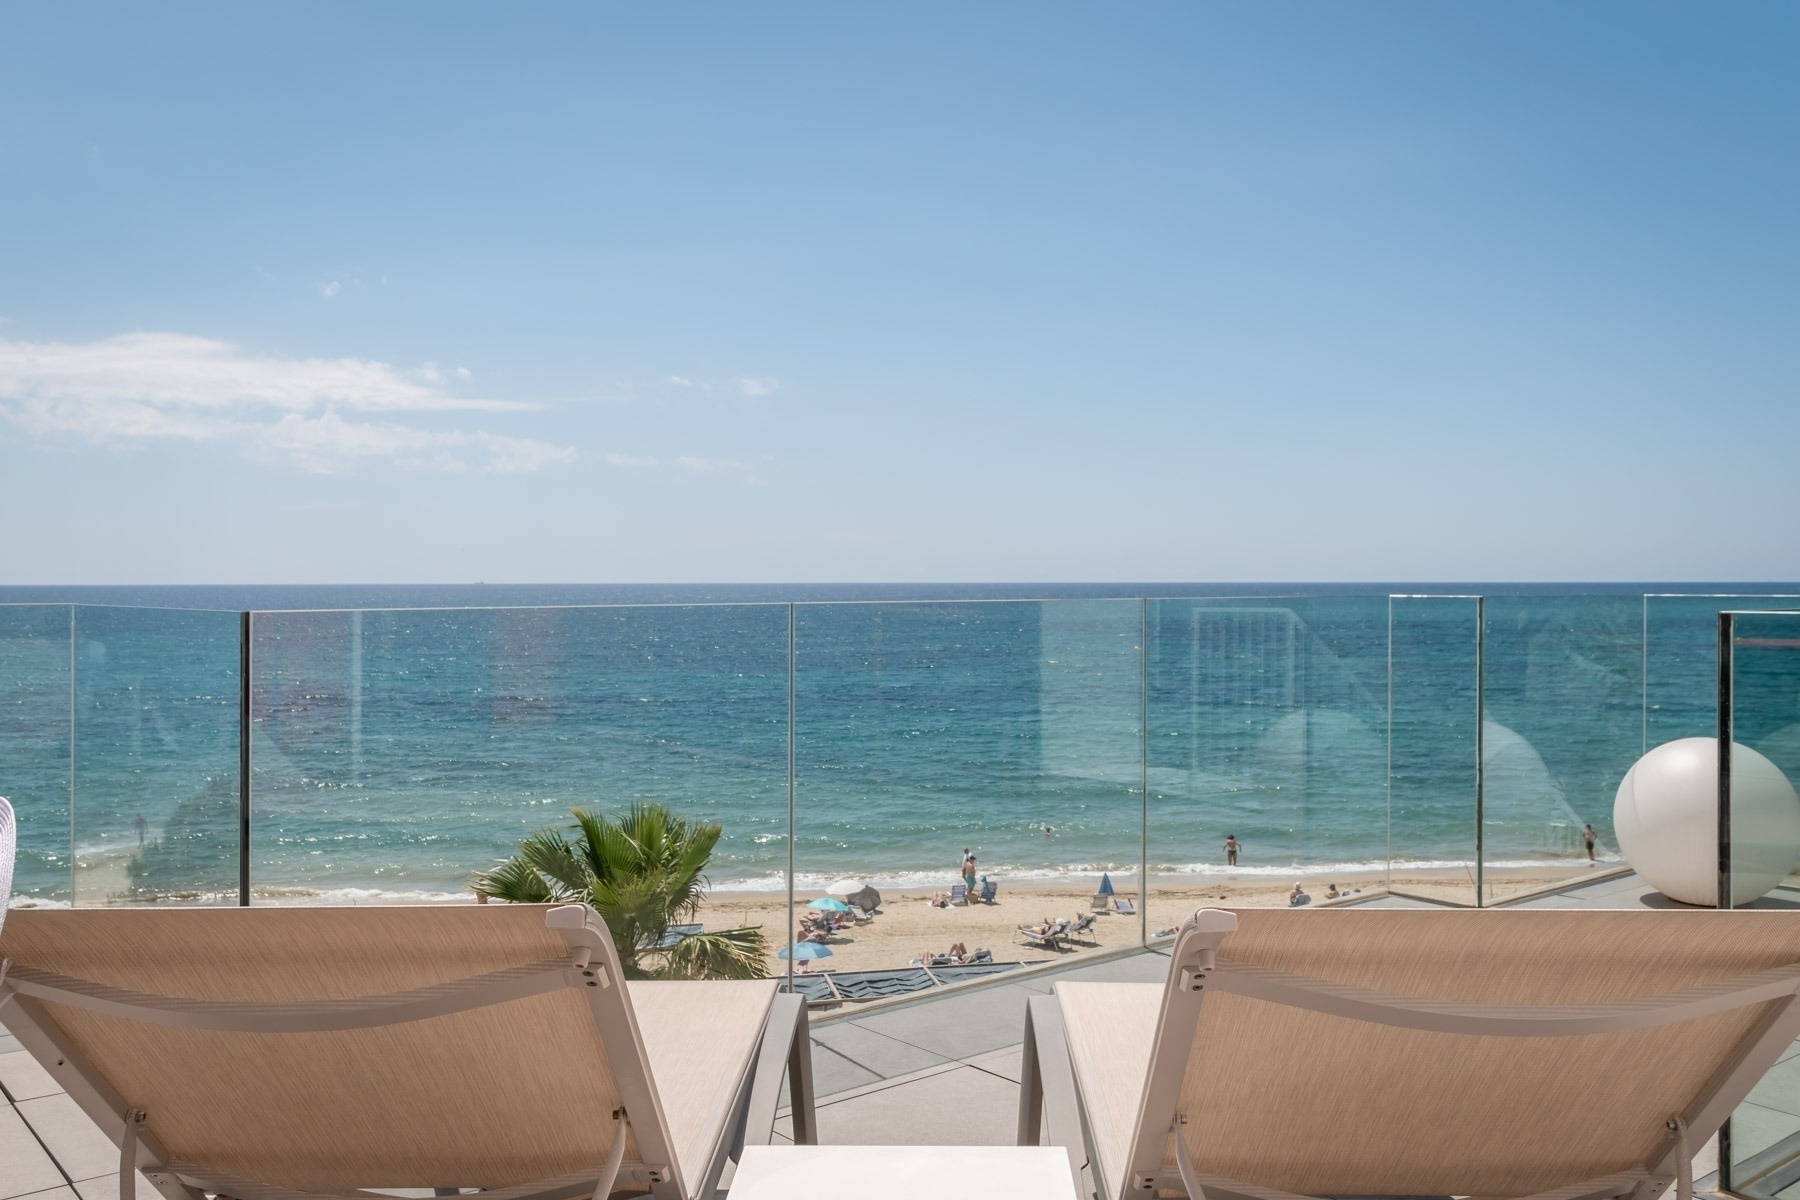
757,388
328,290
148,387
685,462
682,381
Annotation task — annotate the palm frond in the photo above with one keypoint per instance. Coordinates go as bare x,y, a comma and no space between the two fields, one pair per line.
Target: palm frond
725,954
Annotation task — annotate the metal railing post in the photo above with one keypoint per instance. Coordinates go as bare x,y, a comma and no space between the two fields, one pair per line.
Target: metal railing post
1480,702
243,759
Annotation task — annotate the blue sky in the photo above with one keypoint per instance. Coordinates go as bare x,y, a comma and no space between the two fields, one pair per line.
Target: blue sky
341,293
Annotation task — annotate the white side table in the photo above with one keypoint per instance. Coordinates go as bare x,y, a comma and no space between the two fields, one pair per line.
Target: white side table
902,1173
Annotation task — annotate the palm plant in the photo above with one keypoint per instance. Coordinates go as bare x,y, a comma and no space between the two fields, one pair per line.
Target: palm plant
642,873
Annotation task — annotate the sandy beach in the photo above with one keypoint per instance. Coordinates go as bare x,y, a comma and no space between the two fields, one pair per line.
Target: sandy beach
908,926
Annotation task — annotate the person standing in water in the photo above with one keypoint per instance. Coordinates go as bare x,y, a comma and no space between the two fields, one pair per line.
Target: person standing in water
1231,849
1588,835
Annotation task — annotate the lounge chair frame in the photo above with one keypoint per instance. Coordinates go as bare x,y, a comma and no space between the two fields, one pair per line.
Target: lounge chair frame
784,1049
1049,1092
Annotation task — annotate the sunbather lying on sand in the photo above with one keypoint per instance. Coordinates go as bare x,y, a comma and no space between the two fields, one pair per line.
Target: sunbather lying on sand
1041,929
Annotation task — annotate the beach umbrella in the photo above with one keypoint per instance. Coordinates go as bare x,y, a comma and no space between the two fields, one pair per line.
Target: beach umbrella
805,951
827,904
1105,885
844,887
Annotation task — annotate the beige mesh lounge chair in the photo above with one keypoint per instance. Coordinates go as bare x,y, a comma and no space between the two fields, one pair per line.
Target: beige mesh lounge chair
1556,1054
286,1053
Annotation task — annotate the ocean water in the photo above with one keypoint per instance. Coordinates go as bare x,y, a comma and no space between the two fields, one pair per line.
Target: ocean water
405,737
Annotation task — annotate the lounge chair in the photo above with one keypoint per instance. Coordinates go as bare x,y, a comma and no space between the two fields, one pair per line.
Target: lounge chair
282,1053
989,889
1571,1054
1053,940
1082,929
1123,907
959,893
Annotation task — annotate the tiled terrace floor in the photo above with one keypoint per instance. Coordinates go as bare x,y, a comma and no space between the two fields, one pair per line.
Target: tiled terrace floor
937,1071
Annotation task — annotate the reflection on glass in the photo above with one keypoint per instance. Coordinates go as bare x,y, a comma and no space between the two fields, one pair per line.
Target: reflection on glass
1266,751
1562,694
1681,661
396,753
156,756
34,743
1764,699
1433,780
1007,731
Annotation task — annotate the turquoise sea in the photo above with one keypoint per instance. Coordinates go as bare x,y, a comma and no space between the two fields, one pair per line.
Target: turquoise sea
400,747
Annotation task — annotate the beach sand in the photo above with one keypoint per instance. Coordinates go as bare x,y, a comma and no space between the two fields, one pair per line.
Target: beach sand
908,926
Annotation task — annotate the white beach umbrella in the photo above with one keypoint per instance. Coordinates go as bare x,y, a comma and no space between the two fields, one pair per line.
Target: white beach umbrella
844,887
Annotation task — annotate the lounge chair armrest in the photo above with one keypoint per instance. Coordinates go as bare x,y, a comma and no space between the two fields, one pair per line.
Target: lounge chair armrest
1047,1097
786,1050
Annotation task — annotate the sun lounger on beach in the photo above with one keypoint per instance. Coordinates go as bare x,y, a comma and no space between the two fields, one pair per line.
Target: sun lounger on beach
959,894
1580,1055
1082,929
1123,907
1049,940
989,889
287,1053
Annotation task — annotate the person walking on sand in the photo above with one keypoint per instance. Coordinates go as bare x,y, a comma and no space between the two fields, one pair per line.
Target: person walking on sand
1588,835
969,876
1231,848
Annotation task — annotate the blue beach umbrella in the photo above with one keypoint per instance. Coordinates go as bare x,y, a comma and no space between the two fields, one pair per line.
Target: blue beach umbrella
827,904
805,951
1105,884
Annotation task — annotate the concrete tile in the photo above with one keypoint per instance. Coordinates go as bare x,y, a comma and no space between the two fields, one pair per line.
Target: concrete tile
1005,1063
106,1187
876,1052
24,1167
24,1079
1780,1089
10,1044
61,1193
75,1141
958,1026
832,1073
1790,1052
960,1107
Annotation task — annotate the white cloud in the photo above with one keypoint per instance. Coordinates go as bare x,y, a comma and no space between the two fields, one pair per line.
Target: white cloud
328,290
757,388
146,387
682,381
685,462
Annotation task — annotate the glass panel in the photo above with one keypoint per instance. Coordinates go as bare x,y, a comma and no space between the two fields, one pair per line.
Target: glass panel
1765,841
1267,751
1433,695
398,752
1681,662
1563,695
156,755
1008,730
35,696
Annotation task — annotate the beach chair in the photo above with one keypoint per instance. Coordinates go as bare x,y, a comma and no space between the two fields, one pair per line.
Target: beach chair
1566,1054
1052,940
1082,929
296,1053
959,893
1123,907
989,889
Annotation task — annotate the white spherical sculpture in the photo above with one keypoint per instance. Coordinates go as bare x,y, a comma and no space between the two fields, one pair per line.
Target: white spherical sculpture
1666,817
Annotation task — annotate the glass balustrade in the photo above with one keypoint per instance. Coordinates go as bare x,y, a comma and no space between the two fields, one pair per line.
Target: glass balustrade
1434,749
1759,692
36,720
926,734
1265,751
1562,693
157,702
397,753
